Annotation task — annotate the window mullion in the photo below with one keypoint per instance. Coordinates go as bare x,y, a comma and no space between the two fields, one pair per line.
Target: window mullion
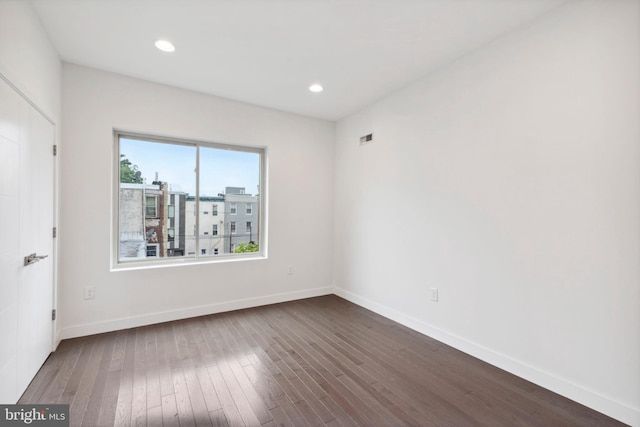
197,202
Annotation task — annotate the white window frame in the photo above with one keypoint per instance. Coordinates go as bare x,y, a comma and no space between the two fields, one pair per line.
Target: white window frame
249,209
189,258
233,208
157,247
146,206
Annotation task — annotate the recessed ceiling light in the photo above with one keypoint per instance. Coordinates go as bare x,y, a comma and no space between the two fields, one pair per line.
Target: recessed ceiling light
315,88
165,46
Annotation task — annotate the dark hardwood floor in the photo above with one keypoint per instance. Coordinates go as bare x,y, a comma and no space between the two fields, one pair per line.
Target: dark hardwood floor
320,361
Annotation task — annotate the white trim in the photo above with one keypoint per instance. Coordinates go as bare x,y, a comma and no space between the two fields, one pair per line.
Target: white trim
586,397
184,313
25,95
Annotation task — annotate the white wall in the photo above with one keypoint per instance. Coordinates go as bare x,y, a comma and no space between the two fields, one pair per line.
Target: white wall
27,57
513,180
300,183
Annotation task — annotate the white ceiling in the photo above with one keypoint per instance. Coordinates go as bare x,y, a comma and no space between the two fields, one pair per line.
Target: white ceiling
268,52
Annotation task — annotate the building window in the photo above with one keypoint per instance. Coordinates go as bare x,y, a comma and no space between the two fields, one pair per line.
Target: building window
215,251
203,251
248,227
151,207
155,199
152,251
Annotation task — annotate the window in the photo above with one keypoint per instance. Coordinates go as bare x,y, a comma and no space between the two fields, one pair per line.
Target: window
203,251
151,207
248,226
155,199
152,251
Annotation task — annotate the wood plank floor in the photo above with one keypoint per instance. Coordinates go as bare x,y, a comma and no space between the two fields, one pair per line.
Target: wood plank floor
320,361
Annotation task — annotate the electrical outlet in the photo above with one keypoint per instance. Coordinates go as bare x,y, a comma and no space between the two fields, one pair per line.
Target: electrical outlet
89,292
434,294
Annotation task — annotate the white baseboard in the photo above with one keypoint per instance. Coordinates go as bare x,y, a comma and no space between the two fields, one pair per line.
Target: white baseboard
202,310
56,340
551,382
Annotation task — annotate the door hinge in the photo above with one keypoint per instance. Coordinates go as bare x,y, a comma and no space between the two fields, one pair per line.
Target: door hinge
55,232
55,150
53,314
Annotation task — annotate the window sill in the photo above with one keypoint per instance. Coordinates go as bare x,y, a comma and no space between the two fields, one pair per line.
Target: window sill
183,261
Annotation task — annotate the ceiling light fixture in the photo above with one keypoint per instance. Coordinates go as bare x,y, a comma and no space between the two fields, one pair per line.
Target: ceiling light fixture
315,88
165,46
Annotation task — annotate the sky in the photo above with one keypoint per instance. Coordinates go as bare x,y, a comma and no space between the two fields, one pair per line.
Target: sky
175,164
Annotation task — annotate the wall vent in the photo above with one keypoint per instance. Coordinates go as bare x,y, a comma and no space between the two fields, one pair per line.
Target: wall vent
366,139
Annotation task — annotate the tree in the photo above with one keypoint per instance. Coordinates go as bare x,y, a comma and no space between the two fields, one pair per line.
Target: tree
246,247
129,173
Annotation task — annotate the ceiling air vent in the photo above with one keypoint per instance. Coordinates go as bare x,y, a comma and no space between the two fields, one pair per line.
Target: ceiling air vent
366,139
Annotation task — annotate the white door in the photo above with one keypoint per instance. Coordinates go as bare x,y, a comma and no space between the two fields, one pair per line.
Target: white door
26,213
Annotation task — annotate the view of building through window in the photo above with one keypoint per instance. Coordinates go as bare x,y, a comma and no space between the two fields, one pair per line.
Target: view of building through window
163,213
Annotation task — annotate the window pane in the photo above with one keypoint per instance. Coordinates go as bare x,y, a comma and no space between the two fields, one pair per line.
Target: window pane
229,183
151,206
151,175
